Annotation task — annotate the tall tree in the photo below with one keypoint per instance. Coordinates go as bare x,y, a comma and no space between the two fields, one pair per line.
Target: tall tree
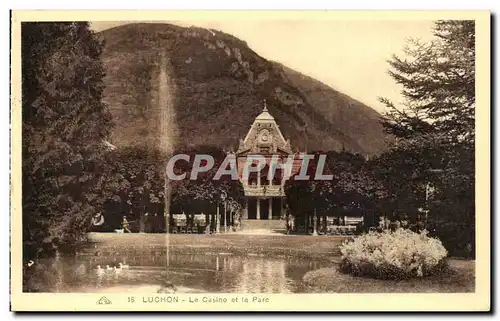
352,191
204,193
434,129
64,126
438,80
138,191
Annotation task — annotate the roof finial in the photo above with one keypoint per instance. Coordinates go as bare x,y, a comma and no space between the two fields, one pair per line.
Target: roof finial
265,106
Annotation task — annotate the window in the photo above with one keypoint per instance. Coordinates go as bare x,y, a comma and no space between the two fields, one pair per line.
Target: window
278,175
252,179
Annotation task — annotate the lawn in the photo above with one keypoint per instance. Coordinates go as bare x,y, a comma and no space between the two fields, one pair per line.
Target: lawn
294,245
458,277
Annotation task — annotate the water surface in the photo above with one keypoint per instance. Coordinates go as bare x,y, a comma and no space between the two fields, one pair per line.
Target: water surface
181,273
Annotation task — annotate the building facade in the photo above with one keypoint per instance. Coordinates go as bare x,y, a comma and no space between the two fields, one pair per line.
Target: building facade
265,198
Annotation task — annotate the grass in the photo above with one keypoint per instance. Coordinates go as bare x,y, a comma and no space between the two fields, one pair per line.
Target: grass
458,277
293,245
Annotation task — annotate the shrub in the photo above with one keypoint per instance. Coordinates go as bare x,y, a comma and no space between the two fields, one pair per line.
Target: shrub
399,254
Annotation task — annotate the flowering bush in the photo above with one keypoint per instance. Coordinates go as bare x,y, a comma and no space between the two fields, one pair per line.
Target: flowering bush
393,255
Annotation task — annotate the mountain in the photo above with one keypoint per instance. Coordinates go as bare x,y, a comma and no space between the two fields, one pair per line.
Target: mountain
360,122
173,87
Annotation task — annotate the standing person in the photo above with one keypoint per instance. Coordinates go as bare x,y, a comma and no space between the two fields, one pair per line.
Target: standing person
125,225
381,224
387,223
290,220
286,216
155,223
146,223
395,225
420,226
404,221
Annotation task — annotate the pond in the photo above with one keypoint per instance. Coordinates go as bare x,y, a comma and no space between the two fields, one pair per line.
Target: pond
150,272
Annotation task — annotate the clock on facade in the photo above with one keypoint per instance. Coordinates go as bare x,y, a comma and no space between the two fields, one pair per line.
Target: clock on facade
264,136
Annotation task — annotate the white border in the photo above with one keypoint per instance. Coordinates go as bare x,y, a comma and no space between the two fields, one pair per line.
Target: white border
215,4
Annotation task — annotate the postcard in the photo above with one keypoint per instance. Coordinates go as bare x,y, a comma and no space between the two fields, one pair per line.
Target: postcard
250,161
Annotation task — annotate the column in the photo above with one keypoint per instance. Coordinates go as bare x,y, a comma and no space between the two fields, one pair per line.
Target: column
207,224
315,223
217,220
270,216
258,208
225,217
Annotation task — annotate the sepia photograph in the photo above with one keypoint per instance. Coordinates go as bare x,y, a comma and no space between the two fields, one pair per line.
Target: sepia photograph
184,159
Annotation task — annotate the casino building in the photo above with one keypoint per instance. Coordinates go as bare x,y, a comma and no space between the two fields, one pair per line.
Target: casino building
264,197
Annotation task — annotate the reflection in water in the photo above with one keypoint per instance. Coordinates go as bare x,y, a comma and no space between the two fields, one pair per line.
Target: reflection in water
185,273
262,276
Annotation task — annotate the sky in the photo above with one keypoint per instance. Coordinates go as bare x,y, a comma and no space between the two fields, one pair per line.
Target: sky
349,56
